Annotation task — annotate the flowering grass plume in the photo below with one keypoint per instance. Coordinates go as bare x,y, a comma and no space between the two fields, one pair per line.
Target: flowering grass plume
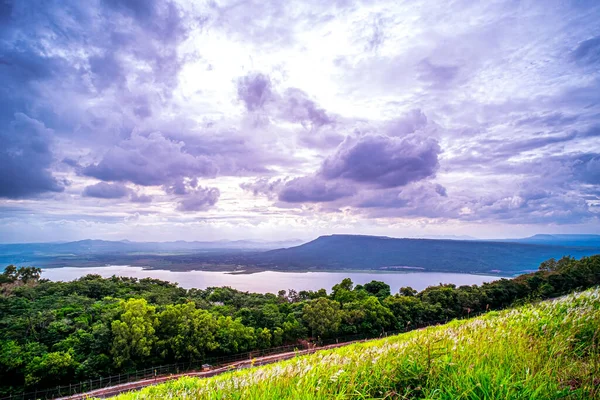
545,351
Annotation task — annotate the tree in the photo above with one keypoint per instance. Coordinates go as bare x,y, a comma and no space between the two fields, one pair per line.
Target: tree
51,367
9,274
11,355
186,332
322,316
271,317
293,329
553,265
345,284
407,291
368,316
379,289
278,336
263,338
233,336
22,274
446,296
133,332
410,311
29,274
548,265
311,295
342,292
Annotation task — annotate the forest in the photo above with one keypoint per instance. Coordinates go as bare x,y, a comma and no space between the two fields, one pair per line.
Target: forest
55,333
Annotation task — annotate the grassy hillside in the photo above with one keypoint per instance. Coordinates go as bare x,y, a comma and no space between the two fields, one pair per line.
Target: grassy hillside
544,351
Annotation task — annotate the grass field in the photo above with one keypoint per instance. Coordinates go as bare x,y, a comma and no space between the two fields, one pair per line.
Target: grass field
544,351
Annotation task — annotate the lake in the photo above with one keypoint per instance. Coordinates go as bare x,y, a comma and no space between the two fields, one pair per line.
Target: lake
271,281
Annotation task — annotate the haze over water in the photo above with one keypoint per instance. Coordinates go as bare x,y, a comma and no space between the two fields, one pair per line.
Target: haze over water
272,281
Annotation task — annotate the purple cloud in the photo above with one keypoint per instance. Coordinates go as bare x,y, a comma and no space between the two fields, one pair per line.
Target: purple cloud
264,186
553,119
25,150
150,160
587,168
588,51
297,107
254,91
519,146
106,71
475,125
140,198
200,199
177,187
314,190
383,161
414,120
439,76
103,190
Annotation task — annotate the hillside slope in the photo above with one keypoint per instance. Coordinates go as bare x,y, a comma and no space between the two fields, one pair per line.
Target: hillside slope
544,351
572,240
375,252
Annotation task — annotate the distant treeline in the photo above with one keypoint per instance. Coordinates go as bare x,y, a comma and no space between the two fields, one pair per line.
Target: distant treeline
55,333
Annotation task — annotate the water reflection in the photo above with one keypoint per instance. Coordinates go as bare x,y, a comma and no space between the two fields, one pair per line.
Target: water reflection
271,281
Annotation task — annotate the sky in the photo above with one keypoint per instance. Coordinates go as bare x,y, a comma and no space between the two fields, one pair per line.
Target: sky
207,120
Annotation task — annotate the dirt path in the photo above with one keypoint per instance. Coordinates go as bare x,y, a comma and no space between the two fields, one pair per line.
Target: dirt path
126,387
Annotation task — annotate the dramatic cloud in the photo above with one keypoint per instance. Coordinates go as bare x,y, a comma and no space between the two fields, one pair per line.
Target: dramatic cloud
383,161
140,198
264,186
103,190
587,168
25,150
292,104
419,199
297,107
313,190
412,121
267,119
200,199
254,90
150,160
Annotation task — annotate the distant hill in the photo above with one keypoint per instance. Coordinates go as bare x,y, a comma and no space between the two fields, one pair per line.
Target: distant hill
376,252
334,252
89,246
561,240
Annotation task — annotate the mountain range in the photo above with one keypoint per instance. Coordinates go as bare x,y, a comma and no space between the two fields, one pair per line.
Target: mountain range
333,252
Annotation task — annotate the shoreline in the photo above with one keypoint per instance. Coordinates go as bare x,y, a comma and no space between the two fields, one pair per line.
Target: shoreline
255,270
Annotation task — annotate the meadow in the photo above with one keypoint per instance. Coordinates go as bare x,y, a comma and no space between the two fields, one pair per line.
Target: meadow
548,350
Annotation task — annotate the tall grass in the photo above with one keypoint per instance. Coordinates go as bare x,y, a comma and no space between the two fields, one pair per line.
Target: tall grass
543,351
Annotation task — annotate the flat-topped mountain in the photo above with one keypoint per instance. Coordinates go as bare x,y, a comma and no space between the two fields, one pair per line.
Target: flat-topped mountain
380,252
333,252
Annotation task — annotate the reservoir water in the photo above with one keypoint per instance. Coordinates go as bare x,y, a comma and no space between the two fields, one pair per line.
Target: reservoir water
272,281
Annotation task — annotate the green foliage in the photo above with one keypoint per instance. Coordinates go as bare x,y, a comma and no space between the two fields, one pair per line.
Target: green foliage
322,316
133,332
547,351
187,332
55,367
367,316
23,275
379,289
233,336
65,332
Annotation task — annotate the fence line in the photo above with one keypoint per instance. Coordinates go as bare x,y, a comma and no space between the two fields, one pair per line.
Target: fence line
162,370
